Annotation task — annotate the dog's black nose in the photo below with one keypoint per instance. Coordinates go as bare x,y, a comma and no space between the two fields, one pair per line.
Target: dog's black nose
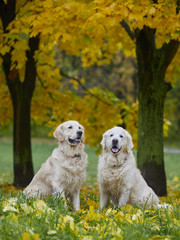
115,141
79,133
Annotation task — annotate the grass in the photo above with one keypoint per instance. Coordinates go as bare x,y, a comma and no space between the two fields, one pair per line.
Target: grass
42,149
26,219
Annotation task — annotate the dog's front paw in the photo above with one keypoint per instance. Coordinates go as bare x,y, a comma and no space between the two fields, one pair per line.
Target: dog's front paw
76,208
122,202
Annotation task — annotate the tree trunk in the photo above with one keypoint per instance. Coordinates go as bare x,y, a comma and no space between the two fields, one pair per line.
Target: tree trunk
23,167
21,94
152,89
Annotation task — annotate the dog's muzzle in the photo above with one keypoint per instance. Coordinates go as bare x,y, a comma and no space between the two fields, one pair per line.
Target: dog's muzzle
115,149
76,140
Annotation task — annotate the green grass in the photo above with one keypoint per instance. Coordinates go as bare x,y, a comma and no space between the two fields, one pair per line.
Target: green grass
42,149
172,165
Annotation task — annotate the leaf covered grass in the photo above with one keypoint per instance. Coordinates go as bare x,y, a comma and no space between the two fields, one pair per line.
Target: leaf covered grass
28,218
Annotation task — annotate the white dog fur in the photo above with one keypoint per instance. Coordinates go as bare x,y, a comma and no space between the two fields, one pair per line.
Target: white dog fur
65,170
119,179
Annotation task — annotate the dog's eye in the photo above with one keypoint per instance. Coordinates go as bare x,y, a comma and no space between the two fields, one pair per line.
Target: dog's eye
111,135
121,136
70,127
79,127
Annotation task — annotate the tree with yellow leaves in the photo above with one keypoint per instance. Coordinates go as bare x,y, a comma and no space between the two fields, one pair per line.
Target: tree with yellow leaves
95,30
151,30
32,80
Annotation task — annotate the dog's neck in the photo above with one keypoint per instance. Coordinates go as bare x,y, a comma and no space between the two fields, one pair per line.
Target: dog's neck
115,161
71,151
71,156
119,164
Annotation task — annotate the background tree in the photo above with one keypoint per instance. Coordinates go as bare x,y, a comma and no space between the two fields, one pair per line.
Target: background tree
152,90
147,23
28,56
95,31
119,76
21,94
154,28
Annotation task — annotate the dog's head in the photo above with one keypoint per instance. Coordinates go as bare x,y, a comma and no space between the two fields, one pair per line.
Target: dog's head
117,140
71,131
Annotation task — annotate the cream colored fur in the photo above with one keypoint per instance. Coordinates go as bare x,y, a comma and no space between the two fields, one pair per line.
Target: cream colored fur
119,179
65,170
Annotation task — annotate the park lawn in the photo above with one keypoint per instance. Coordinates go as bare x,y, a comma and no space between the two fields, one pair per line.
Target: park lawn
22,218
42,149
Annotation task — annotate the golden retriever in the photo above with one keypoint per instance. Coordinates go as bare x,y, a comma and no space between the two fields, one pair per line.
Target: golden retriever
119,179
65,170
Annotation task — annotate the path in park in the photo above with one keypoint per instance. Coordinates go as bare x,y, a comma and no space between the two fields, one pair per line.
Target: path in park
170,150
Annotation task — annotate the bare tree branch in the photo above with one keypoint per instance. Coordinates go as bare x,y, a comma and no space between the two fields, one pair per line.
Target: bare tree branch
42,85
178,7
128,30
84,88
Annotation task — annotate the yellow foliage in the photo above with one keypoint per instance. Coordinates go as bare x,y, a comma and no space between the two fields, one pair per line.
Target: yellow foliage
26,236
75,84
97,111
92,203
93,215
173,70
89,222
6,111
89,29
35,236
166,127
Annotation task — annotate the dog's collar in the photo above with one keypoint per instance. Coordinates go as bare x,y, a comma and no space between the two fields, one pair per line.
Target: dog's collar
120,164
75,156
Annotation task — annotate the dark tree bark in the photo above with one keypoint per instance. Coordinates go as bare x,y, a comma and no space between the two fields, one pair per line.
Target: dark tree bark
21,94
152,90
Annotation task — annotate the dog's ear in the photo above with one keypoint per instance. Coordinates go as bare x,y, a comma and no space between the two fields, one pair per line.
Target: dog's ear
130,144
58,133
83,138
83,135
103,142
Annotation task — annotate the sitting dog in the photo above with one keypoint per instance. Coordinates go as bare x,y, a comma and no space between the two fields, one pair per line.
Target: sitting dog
65,170
119,179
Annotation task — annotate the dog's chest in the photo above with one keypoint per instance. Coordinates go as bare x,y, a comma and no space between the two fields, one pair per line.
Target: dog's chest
70,174
112,178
